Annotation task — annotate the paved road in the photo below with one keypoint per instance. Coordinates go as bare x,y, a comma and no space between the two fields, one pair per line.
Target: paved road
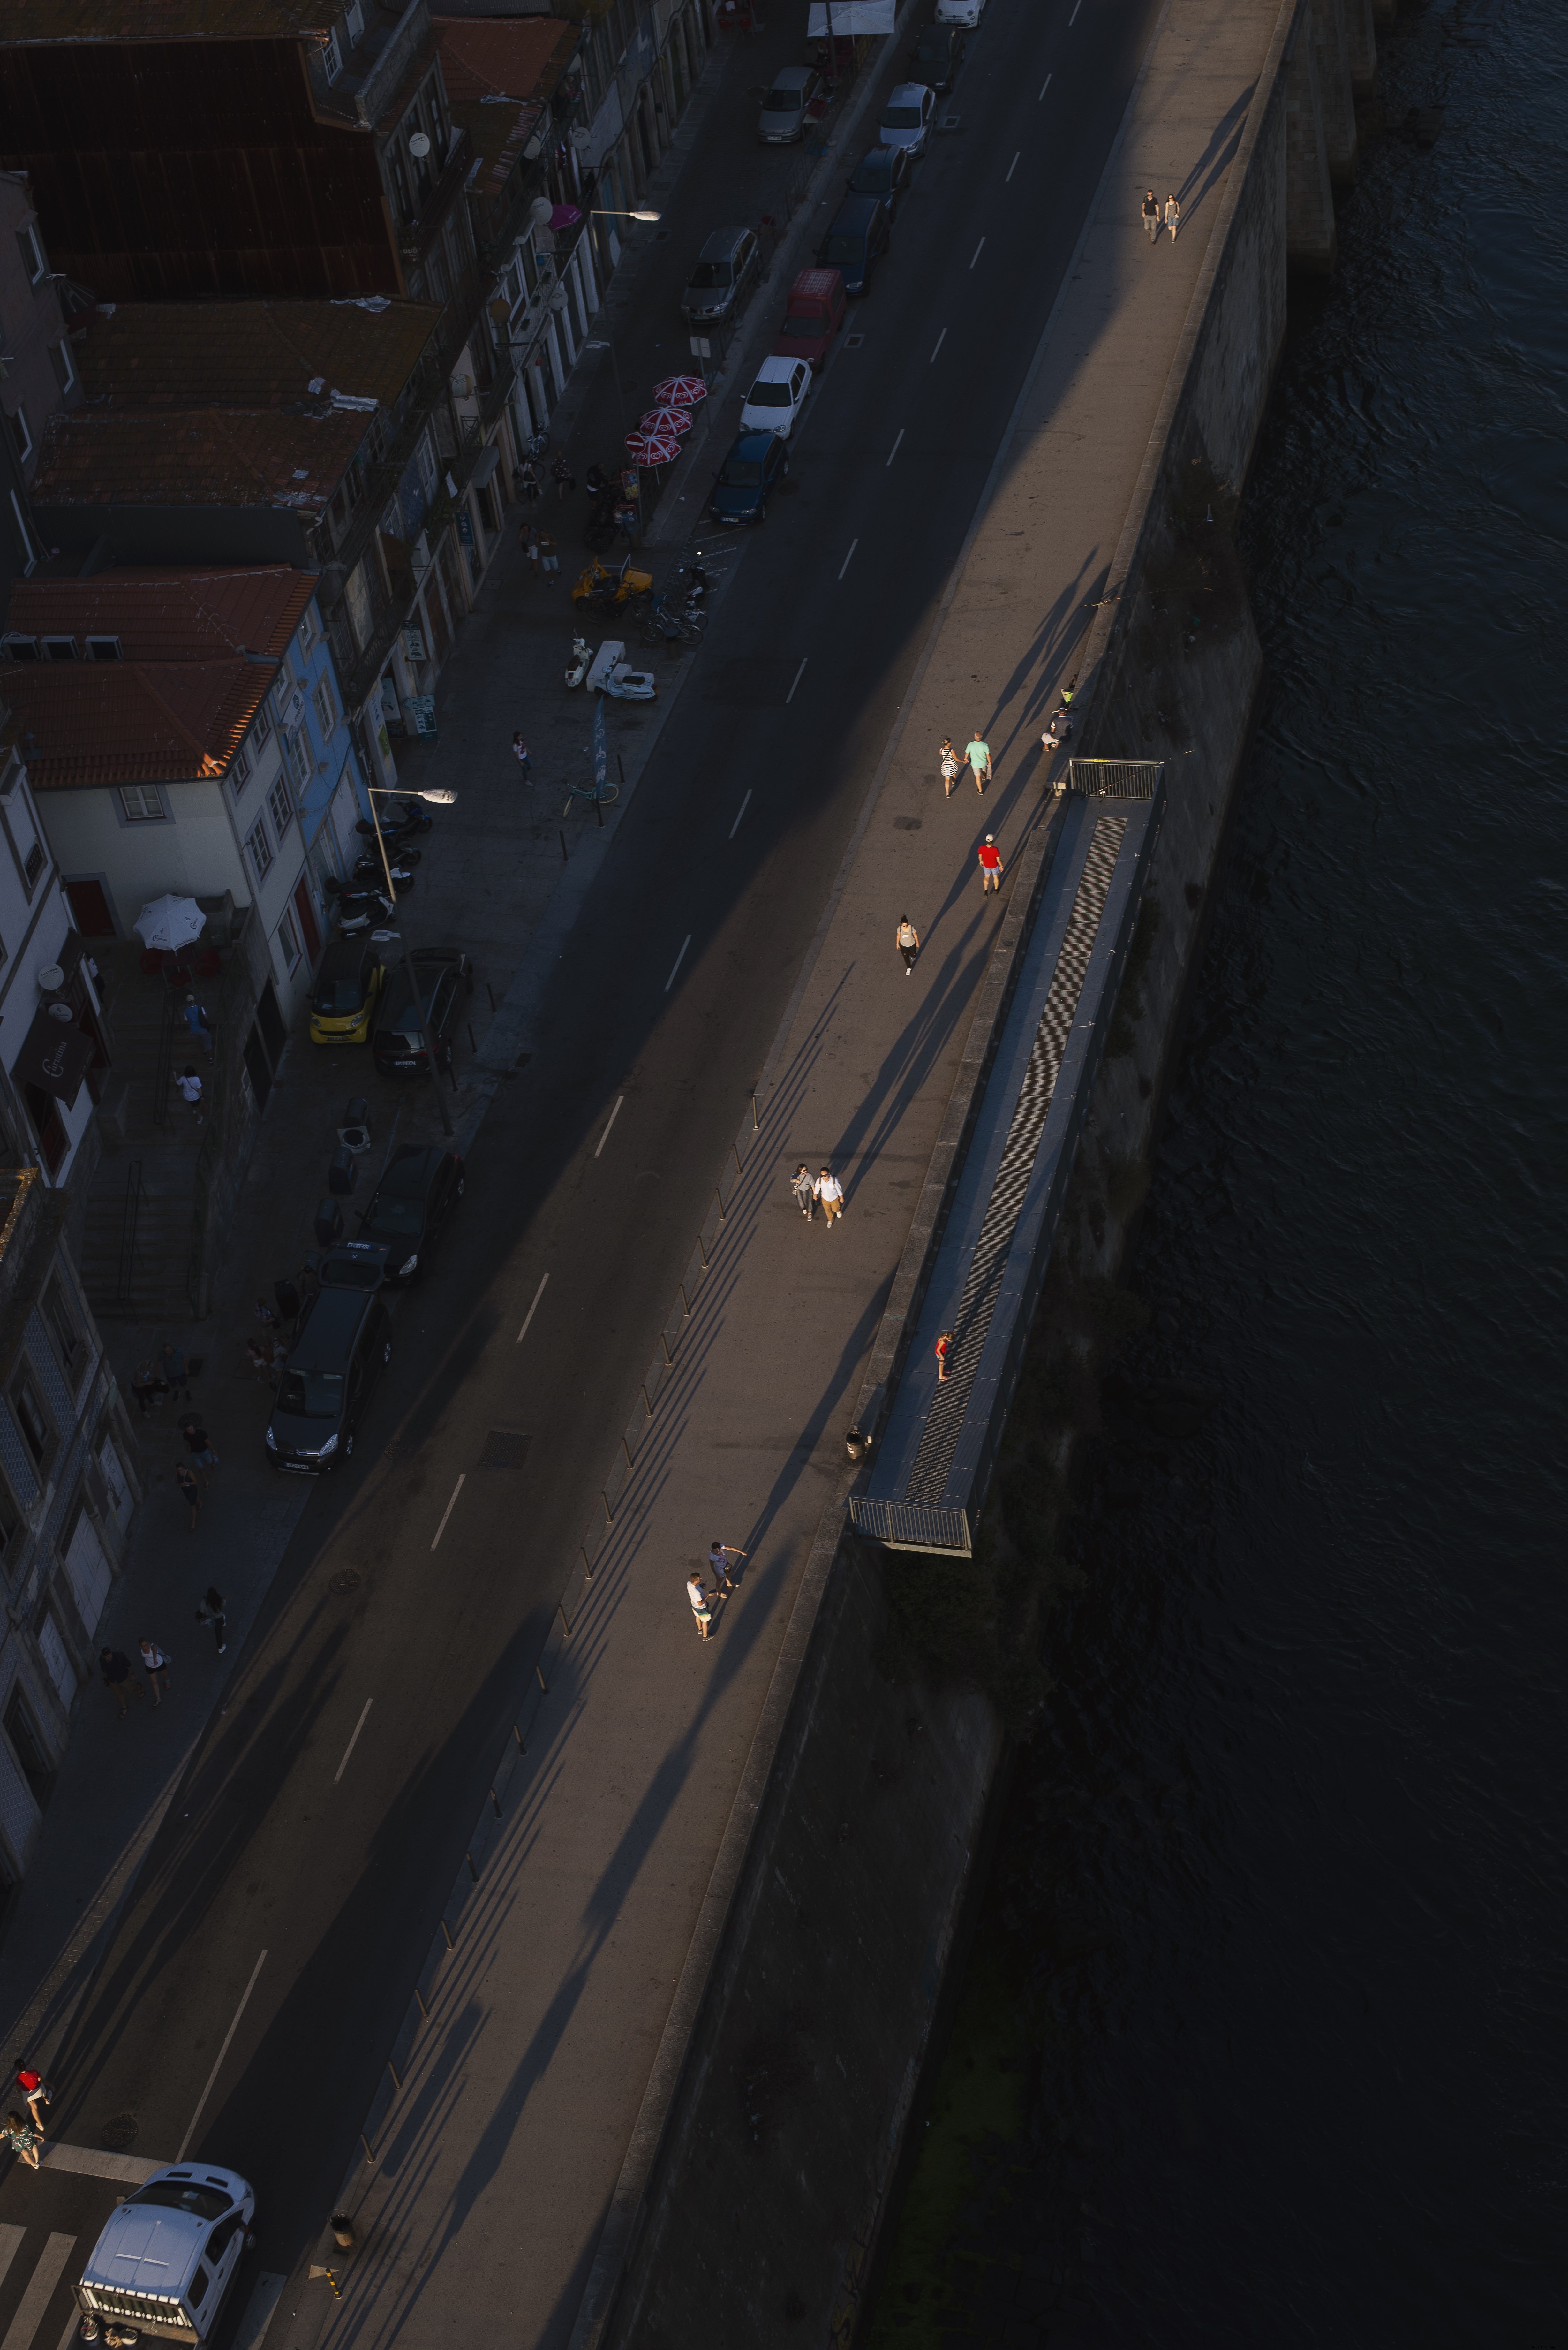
336,1869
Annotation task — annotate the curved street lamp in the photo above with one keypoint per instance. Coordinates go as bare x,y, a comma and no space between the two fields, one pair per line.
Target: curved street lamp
436,799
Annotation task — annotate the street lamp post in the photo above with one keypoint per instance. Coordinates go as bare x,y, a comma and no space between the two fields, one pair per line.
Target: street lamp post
436,799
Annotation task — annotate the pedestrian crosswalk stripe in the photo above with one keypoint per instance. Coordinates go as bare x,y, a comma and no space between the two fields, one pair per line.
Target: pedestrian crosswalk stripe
92,2162
40,2292
10,2244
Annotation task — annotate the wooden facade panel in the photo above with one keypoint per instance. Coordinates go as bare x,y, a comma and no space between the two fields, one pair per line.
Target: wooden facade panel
176,170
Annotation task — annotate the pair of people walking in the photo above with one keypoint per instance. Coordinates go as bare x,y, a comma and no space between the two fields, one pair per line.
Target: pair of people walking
1156,217
719,1556
810,1190
977,751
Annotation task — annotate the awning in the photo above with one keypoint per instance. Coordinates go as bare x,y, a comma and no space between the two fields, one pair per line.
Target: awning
55,1055
484,471
849,16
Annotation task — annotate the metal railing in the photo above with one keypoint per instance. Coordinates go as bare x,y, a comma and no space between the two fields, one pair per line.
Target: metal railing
910,1525
1115,779
126,1277
162,1075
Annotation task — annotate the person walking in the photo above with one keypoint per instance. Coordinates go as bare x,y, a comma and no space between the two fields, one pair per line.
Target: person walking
830,1191
214,1612
524,764
35,2089
549,561
190,1486
719,1556
190,1085
1151,216
563,476
115,1666
23,2137
198,1444
948,764
907,939
175,1370
944,1348
700,1608
978,754
991,866
528,482
528,540
289,1304
155,1665
805,1191
147,1388
196,1019
1173,216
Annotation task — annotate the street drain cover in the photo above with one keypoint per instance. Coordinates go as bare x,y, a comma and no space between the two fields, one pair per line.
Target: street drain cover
349,1580
117,2134
853,342
504,1448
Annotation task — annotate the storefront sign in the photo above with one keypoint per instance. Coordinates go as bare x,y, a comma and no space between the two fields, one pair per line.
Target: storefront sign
414,645
420,711
464,528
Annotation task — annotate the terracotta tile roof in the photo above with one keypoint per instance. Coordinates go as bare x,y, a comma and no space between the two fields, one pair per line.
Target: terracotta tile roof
251,354
85,724
169,616
212,456
165,20
503,57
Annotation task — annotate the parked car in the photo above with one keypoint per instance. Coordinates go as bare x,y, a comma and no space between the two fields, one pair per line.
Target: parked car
350,978
908,117
756,464
777,397
856,240
965,12
884,173
937,57
445,983
783,115
815,313
343,1344
410,1206
167,2254
720,277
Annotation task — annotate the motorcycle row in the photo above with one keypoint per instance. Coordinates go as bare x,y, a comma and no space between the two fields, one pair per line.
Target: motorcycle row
672,617
362,901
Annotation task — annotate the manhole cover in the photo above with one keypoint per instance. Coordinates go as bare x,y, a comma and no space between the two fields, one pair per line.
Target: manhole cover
348,1580
117,2134
504,1448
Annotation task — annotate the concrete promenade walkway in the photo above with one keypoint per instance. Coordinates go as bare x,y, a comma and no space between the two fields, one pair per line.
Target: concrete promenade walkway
499,2154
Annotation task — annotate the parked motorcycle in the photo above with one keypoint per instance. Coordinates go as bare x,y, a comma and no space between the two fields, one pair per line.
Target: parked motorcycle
692,579
369,873
399,821
600,587
581,654
358,910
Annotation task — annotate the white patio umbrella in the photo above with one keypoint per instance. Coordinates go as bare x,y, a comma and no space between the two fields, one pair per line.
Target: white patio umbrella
169,923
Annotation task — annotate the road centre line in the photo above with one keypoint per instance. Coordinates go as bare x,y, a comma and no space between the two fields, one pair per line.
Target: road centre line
532,1311
980,248
217,2067
790,695
439,1532
941,338
844,565
745,804
894,449
1074,18
370,1701
620,1097
668,985
1012,167
1043,88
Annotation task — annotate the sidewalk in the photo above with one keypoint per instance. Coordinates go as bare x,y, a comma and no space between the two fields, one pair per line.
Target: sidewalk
502,2148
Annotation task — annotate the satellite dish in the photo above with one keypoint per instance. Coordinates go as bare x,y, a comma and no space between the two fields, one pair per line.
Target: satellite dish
539,212
420,144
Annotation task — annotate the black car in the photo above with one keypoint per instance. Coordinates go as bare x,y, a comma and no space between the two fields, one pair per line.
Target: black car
936,57
445,983
413,1201
856,240
343,1343
883,172
756,464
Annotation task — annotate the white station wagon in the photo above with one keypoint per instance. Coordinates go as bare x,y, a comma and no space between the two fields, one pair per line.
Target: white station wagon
777,397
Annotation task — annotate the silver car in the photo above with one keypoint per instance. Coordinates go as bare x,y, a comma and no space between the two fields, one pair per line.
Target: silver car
907,117
720,277
782,118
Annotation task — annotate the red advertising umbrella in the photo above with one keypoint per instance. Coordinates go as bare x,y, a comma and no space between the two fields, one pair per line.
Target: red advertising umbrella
680,391
667,421
653,448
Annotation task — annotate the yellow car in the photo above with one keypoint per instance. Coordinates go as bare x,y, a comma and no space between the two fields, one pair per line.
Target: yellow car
348,985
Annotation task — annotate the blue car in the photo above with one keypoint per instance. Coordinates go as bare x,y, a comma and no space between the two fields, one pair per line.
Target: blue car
884,173
856,240
756,464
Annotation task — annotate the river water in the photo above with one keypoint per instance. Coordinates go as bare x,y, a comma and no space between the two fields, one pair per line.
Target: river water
1265,2040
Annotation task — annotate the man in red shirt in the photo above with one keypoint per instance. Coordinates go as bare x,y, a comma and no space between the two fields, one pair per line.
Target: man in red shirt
991,866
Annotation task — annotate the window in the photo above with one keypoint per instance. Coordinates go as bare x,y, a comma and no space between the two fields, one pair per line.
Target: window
64,366
240,771
25,547
261,726
61,1321
11,1522
21,434
308,632
33,865
33,1420
332,57
35,261
104,649
260,847
400,187
277,801
427,462
300,760
288,943
326,708
355,21
57,648
141,803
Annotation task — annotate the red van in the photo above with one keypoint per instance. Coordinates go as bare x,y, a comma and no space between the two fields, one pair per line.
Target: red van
816,310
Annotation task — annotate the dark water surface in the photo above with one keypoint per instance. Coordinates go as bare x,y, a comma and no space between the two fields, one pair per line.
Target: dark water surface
1272,1988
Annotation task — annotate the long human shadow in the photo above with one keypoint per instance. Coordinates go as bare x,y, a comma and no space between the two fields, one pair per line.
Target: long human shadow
1217,156
1047,649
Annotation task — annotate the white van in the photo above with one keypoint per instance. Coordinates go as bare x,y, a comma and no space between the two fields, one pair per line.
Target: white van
167,2257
